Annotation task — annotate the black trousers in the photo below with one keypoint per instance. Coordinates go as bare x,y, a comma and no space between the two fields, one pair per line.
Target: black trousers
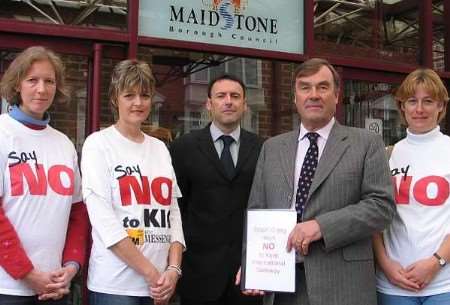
29,300
231,296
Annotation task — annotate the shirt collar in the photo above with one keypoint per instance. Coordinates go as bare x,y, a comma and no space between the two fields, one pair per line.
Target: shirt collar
323,132
24,118
216,133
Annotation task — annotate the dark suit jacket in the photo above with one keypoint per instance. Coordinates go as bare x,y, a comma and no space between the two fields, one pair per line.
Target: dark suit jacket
350,197
212,209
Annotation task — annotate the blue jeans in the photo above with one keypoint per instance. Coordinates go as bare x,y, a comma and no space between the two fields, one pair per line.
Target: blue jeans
437,299
98,298
6,299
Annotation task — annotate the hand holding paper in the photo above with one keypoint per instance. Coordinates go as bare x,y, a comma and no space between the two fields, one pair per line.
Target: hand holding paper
303,234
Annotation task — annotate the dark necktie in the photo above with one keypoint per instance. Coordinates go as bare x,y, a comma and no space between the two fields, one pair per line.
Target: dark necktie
306,174
225,157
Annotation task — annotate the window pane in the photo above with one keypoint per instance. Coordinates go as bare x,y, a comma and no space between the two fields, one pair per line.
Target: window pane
105,14
251,72
386,30
235,68
372,106
215,71
200,76
438,35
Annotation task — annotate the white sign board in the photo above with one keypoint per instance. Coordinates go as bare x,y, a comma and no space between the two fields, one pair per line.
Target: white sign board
268,265
375,125
259,24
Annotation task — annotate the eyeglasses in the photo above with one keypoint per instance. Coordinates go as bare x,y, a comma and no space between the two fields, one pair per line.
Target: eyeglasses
425,102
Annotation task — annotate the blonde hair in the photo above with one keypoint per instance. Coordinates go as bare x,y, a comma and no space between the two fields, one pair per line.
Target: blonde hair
129,74
431,83
20,66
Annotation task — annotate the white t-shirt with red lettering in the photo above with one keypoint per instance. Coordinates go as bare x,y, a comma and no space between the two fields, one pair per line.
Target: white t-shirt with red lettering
39,181
130,190
420,167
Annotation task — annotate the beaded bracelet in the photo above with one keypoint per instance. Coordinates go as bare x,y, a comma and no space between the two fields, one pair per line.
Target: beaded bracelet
176,269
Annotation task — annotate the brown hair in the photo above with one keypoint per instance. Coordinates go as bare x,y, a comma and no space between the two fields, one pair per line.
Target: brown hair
226,77
128,74
312,66
19,67
430,81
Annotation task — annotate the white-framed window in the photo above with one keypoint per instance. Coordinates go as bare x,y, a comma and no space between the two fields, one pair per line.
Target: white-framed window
195,120
196,117
200,76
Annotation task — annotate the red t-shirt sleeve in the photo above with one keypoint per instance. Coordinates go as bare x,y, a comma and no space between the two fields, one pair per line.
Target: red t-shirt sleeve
77,234
13,258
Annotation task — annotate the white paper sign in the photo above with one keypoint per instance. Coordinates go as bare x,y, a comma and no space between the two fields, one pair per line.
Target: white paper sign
268,265
374,125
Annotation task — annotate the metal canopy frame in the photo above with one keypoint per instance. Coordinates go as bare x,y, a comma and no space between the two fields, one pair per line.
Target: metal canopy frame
183,67
53,11
397,22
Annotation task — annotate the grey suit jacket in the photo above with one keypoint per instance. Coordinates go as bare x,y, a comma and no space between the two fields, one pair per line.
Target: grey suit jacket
350,197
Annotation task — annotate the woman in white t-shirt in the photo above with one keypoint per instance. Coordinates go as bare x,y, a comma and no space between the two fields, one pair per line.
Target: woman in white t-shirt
130,190
43,221
412,254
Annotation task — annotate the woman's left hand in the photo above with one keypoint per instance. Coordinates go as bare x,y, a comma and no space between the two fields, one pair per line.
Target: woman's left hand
165,287
423,271
60,285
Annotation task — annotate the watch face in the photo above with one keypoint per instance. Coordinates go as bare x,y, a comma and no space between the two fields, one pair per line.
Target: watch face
442,262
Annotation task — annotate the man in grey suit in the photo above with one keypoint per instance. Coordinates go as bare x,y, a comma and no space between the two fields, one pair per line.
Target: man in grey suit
338,180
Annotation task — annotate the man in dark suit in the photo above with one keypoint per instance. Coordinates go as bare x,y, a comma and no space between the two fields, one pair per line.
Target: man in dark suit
337,179
214,168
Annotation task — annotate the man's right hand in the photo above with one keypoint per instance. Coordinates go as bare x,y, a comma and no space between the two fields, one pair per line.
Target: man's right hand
249,292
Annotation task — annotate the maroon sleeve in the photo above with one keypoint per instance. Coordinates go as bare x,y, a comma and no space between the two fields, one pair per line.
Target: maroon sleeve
77,234
12,255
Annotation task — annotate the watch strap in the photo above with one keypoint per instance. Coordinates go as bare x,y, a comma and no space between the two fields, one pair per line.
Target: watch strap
442,262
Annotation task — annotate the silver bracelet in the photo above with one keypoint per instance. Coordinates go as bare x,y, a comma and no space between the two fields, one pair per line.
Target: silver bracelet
72,263
176,269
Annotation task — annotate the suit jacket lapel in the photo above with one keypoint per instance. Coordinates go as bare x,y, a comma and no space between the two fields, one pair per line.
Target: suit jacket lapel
246,145
206,146
335,147
287,157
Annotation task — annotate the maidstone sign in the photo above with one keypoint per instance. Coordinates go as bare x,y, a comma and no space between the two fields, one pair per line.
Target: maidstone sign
258,24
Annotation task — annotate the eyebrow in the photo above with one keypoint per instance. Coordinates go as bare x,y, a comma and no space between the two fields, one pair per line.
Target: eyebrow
39,76
426,96
230,92
325,82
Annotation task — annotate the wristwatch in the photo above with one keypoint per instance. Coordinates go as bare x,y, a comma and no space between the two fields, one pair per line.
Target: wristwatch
441,261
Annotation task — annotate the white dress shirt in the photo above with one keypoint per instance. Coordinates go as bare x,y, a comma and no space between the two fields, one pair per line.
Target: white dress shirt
302,148
216,133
